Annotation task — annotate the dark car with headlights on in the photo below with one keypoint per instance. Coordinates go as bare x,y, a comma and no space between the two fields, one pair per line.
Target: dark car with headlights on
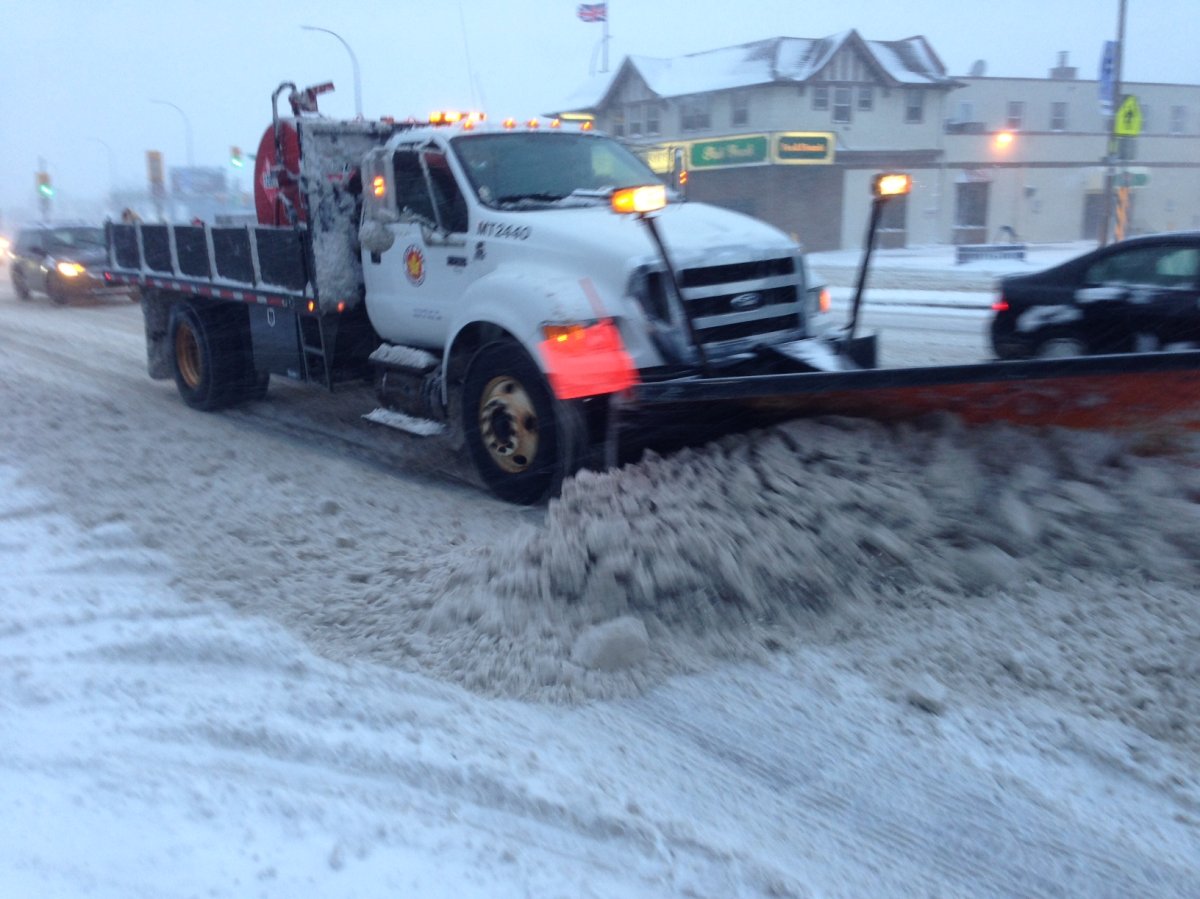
61,261
1138,295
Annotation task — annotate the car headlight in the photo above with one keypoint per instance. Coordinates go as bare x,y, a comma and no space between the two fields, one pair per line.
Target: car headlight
70,269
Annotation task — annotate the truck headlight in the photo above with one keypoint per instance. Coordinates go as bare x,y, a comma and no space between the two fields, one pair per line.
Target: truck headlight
70,269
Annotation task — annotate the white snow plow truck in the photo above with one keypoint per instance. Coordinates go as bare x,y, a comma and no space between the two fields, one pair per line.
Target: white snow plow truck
524,282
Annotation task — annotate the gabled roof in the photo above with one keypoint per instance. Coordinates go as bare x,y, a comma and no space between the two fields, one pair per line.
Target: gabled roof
907,62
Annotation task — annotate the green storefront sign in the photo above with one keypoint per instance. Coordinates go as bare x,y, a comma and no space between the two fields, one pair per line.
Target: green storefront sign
804,147
750,149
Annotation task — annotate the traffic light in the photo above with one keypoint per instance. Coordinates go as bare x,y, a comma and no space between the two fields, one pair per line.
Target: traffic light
235,157
45,188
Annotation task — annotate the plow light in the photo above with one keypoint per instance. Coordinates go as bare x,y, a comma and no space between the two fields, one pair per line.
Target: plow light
639,199
891,184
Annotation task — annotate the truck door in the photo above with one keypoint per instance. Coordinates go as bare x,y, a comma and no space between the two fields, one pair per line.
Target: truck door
415,285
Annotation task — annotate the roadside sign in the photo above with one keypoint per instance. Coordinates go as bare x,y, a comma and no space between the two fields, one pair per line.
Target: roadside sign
1128,122
1107,78
154,168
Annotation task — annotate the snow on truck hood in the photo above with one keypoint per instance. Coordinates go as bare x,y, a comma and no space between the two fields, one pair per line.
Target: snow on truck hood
695,233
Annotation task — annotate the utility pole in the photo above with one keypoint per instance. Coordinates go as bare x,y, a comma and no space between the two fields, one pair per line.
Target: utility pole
1111,154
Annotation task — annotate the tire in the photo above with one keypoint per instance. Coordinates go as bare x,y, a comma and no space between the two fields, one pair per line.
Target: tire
20,288
206,357
1059,348
522,439
56,292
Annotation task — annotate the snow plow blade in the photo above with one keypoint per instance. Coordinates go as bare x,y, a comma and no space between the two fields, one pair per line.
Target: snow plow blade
1136,391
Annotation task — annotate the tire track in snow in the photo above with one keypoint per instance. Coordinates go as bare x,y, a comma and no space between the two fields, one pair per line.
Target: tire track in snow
970,836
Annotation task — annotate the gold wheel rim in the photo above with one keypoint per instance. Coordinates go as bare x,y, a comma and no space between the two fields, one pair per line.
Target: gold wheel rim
508,424
187,355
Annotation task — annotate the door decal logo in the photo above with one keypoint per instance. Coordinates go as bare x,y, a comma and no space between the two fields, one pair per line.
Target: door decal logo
414,265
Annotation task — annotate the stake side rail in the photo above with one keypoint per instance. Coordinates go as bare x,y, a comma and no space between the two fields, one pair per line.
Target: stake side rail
256,265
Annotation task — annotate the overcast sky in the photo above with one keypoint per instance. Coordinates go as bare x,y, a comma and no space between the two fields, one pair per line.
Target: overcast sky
77,77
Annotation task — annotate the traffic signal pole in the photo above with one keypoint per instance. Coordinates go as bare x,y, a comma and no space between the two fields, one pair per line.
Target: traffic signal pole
45,191
1111,154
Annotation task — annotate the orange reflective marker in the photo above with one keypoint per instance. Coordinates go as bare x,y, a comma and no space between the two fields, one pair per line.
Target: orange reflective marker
587,361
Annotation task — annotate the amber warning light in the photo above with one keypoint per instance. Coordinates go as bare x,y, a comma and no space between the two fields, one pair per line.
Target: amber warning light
639,199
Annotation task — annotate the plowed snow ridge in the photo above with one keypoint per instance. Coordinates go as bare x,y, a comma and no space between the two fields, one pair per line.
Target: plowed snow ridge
959,552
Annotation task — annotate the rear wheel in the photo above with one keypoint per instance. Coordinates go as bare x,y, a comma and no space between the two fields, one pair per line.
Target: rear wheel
522,439
1060,348
211,358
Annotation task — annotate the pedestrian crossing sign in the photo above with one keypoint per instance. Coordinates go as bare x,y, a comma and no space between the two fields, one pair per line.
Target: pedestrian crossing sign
1128,121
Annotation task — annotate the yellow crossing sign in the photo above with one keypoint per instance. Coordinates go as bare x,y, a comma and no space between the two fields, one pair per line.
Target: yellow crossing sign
1128,121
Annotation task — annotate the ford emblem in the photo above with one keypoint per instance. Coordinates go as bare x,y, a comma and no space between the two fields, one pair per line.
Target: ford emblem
746,301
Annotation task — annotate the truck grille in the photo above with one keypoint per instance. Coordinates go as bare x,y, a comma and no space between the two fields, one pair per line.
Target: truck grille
742,300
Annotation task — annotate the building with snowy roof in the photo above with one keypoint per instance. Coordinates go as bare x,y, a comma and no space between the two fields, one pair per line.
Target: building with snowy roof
792,130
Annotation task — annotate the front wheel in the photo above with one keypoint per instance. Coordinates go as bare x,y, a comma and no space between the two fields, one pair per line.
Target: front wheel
20,288
55,290
522,439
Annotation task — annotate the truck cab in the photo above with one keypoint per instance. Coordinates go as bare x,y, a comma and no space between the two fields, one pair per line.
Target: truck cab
514,227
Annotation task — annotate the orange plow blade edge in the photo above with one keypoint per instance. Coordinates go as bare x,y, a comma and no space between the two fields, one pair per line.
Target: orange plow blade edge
1139,391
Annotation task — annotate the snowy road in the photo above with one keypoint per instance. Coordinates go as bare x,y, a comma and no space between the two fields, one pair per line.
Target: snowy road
280,652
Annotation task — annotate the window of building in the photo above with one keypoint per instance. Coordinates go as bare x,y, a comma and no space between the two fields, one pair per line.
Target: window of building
866,97
966,111
652,125
1016,115
1178,119
641,118
820,97
914,106
616,126
633,120
1058,116
695,113
740,108
841,104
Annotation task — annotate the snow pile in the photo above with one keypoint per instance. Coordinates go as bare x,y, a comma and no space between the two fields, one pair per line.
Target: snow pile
831,531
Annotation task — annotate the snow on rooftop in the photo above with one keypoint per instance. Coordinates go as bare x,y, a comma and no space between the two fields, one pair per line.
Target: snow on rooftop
907,61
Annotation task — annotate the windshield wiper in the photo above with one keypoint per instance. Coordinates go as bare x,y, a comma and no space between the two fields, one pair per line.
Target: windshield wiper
512,199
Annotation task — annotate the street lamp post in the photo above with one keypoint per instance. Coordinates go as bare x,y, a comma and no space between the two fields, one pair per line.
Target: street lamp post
353,62
187,128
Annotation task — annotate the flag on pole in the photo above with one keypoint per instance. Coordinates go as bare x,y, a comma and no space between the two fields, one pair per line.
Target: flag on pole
593,12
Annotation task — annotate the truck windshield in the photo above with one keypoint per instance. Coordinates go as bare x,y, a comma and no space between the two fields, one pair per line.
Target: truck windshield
533,170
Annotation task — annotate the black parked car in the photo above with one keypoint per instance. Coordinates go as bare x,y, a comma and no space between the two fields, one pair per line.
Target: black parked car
62,261
1139,295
